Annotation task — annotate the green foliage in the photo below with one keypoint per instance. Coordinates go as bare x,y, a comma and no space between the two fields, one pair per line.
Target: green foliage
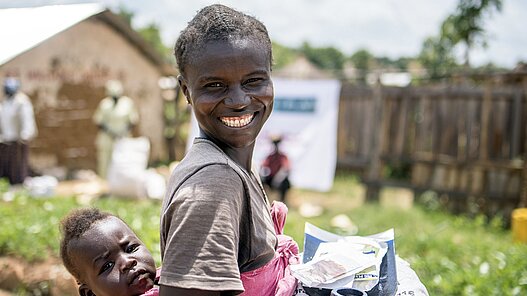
362,59
437,57
328,58
125,14
466,25
400,64
152,35
283,55
4,185
30,226
398,171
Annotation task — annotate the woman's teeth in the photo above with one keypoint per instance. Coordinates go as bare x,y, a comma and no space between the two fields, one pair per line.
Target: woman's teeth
240,121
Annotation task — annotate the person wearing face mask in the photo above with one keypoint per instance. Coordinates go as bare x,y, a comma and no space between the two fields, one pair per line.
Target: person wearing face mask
17,129
115,116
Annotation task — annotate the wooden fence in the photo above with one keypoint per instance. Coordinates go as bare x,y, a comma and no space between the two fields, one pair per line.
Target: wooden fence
466,143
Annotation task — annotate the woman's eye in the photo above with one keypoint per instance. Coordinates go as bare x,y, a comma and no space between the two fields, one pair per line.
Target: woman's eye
214,84
131,248
106,266
252,81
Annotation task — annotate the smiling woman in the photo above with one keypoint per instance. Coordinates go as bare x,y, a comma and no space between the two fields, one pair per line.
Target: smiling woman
231,103
217,233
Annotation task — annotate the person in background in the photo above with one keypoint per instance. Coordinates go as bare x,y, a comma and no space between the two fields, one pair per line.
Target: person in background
219,235
105,256
275,170
17,129
115,116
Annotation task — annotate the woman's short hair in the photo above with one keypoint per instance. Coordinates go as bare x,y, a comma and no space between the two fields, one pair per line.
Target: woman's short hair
218,22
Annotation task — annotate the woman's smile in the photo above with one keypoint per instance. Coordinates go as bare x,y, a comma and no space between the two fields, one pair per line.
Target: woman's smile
237,121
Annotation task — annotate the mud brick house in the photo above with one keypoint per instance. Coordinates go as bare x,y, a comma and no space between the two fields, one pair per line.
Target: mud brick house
63,55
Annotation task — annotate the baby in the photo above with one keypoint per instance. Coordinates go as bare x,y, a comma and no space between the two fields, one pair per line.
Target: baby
105,256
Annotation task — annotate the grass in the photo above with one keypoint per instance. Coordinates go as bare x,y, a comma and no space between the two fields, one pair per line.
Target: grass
453,255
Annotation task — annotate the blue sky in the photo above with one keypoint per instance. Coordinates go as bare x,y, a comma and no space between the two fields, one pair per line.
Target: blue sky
392,28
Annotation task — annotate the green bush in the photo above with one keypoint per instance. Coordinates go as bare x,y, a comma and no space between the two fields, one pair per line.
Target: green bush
30,226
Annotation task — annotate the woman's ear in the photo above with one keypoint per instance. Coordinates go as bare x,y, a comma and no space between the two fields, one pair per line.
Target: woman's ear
84,290
184,88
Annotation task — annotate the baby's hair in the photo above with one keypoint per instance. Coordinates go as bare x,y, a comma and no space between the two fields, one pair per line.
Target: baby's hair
73,226
218,22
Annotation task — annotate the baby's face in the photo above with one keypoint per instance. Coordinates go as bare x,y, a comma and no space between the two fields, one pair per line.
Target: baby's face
112,260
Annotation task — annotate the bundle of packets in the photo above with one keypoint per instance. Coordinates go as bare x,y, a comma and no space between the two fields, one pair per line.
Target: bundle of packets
331,261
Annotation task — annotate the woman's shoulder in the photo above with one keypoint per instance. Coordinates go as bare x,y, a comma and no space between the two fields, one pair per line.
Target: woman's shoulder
203,165
204,155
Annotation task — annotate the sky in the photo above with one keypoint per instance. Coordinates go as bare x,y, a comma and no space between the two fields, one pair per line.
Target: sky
392,28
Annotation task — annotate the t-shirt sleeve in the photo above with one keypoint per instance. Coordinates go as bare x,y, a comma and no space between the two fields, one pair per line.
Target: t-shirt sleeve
202,232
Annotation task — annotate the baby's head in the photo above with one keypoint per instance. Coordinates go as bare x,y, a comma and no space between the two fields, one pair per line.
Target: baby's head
105,255
219,23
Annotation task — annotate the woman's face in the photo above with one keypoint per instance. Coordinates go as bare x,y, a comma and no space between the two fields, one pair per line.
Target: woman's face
229,86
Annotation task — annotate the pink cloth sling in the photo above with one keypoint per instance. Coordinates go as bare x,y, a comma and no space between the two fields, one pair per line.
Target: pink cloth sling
155,290
275,277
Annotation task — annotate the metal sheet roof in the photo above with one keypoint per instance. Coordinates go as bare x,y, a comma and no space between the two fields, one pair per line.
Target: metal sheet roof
25,28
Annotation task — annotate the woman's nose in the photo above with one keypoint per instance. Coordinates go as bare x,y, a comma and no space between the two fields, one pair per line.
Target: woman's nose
237,99
128,263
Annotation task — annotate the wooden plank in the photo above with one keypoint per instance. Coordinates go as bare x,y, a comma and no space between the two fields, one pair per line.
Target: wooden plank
374,170
523,196
485,117
516,125
402,125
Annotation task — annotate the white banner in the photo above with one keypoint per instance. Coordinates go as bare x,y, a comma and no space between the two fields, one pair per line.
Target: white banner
305,115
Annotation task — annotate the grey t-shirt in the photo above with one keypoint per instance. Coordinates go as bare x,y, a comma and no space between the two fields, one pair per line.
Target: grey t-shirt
215,222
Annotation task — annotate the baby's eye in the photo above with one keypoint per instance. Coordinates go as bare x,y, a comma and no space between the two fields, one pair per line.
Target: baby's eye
132,248
106,266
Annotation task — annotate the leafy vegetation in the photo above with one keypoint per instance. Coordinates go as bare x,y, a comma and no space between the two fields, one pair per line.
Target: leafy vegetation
30,226
328,58
453,255
283,55
465,25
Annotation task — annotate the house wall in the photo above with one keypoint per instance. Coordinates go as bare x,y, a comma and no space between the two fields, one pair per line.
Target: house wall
65,77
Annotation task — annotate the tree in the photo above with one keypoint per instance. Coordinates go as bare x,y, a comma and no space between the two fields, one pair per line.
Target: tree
282,55
150,33
126,15
362,60
466,24
437,57
328,58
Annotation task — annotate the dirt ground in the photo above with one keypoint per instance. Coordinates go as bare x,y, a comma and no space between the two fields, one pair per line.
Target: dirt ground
18,277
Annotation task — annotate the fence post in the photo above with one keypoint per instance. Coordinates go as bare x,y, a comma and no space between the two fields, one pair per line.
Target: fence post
374,168
523,193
